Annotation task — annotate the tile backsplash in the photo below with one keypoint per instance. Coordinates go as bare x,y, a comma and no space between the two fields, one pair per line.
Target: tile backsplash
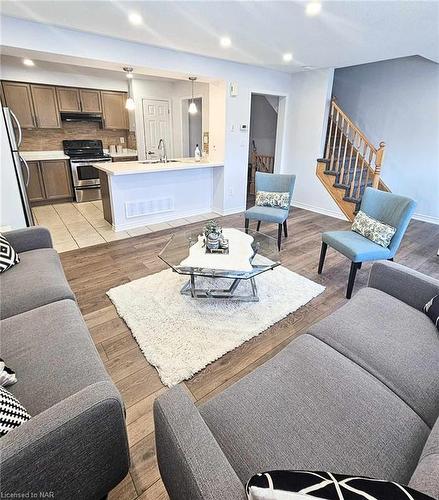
51,139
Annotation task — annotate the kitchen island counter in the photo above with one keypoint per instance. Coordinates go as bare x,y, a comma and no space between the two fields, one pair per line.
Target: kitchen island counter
140,167
136,193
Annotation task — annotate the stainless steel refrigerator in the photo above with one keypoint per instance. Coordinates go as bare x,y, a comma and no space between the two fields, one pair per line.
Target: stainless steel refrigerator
15,207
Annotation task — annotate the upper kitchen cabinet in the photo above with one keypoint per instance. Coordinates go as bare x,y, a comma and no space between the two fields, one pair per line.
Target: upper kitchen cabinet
68,99
113,110
18,98
45,106
90,101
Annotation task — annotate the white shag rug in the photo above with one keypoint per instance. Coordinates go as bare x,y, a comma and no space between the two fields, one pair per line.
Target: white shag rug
180,335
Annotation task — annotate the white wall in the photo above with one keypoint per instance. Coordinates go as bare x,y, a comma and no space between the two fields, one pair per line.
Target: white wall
308,109
303,126
397,102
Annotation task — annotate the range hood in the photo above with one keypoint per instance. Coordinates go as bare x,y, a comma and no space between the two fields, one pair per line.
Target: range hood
81,117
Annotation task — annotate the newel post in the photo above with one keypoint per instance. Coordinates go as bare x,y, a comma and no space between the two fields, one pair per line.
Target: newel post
378,162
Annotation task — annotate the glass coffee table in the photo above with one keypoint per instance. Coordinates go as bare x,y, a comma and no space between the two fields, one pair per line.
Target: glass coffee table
250,253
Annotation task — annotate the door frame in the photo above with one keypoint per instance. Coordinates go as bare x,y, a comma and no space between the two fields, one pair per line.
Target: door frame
281,131
170,147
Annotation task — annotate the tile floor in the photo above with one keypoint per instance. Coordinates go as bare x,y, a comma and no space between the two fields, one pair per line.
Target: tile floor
78,225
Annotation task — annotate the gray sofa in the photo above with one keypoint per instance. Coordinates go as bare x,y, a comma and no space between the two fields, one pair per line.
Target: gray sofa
357,394
75,445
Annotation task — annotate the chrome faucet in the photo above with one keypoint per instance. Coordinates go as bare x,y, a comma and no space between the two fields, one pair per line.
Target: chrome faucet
162,151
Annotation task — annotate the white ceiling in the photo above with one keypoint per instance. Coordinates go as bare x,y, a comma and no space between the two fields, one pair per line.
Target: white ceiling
345,33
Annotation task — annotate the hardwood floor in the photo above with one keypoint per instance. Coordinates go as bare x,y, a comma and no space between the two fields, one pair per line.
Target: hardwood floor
93,270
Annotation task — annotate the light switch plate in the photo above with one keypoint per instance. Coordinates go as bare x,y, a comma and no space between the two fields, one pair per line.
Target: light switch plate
234,89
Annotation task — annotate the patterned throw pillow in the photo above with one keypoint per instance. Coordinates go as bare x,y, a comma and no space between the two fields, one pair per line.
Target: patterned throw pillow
373,229
275,200
289,485
7,376
12,413
8,256
431,309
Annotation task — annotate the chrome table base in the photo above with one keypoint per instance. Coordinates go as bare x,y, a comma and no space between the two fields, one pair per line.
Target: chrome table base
221,293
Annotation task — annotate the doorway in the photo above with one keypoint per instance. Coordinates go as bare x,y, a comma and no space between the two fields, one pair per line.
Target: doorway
192,127
264,110
156,125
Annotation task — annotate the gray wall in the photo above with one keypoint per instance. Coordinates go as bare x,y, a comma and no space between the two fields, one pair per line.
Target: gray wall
397,101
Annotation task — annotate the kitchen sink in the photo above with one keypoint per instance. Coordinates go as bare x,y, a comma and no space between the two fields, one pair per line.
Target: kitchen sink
151,162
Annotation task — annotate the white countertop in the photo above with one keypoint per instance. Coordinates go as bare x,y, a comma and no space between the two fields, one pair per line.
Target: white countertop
137,167
43,155
125,153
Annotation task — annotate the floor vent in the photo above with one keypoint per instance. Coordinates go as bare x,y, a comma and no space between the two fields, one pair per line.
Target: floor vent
148,207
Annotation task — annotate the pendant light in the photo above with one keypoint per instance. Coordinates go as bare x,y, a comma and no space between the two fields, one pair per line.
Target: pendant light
192,106
130,105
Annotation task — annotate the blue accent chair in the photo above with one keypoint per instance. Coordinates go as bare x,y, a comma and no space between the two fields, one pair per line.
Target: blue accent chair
274,183
389,208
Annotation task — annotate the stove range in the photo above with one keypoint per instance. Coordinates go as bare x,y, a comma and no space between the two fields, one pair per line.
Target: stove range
83,153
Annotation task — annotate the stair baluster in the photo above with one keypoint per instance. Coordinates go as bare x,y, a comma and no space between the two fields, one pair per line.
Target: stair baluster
354,178
331,128
363,156
338,145
343,165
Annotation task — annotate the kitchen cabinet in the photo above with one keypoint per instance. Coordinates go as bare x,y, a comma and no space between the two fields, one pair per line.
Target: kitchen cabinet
19,99
113,110
35,188
45,106
48,180
76,100
39,106
90,100
56,179
68,99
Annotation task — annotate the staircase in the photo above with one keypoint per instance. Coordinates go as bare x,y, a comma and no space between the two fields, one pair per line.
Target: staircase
351,162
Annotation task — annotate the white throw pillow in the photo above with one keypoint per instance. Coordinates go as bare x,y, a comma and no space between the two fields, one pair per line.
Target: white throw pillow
271,199
373,229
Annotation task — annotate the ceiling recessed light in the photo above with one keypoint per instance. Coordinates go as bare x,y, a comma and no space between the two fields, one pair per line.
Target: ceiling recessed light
135,18
28,62
287,57
225,41
313,8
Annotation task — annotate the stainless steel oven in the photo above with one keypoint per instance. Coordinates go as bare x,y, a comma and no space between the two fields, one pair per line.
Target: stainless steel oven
85,176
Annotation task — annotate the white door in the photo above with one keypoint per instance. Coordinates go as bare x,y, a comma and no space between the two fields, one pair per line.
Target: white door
156,125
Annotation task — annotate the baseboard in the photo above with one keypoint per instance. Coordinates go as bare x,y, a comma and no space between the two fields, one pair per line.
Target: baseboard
426,218
319,210
229,211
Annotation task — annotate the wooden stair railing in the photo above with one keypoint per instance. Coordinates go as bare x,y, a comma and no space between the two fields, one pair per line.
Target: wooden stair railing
264,163
259,163
352,159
